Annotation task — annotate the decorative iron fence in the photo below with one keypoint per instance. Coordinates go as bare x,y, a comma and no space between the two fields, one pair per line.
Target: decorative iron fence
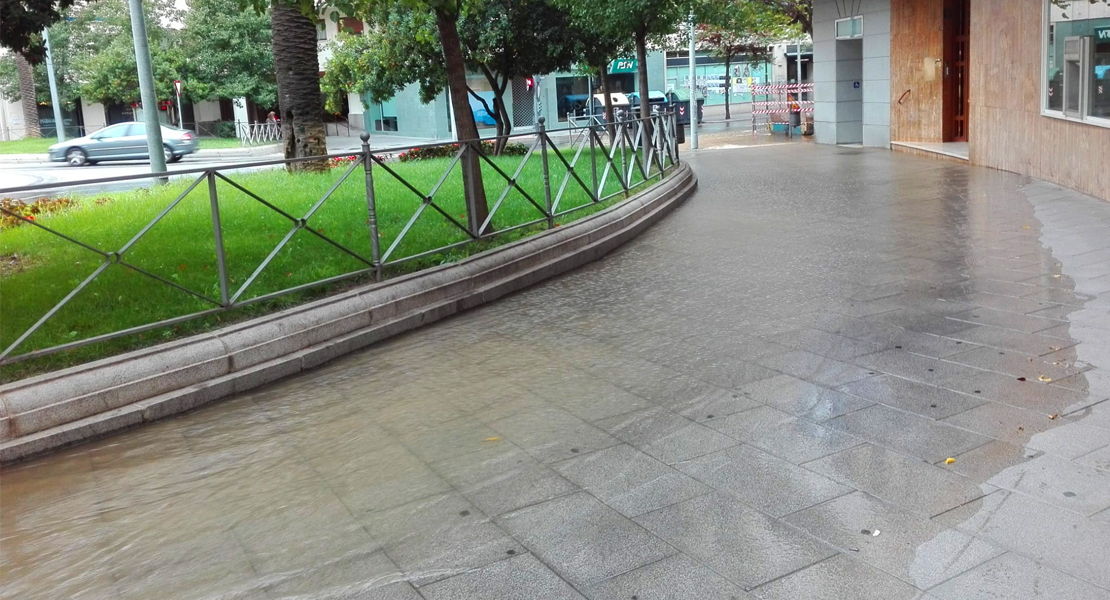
254,134
598,163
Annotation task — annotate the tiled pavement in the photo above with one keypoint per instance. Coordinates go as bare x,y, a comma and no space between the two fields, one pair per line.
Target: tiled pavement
756,399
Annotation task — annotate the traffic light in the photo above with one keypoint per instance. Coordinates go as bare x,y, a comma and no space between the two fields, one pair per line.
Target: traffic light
530,83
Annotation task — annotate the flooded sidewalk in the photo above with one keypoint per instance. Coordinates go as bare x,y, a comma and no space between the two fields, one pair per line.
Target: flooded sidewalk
832,374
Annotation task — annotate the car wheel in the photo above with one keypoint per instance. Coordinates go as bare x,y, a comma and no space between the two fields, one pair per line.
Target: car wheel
75,157
175,158
168,153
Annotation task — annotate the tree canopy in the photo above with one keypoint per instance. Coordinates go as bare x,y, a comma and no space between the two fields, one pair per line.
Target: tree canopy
22,22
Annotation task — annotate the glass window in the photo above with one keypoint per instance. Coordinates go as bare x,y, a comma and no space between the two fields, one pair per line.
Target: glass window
321,31
849,28
1100,73
136,129
572,95
388,110
114,131
1077,59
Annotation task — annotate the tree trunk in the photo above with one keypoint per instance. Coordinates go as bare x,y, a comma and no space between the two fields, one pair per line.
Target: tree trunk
642,73
467,130
728,84
298,81
603,75
500,113
645,104
27,97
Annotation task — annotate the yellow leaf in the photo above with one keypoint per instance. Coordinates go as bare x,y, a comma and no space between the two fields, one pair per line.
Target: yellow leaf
949,461
1045,379
1053,417
493,439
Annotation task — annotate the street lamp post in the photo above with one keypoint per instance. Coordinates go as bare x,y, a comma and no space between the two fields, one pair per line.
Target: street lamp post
59,124
693,88
146,89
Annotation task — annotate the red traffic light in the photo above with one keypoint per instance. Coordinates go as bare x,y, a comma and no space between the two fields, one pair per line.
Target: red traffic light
529,82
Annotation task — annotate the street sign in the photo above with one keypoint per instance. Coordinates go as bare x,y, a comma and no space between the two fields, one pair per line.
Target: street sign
623,65
177,87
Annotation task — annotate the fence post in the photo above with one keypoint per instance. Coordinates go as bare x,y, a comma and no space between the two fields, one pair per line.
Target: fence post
371,207
546,171
593,161
218,234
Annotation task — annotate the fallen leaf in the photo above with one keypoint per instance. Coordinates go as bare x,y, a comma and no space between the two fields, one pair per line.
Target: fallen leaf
1025,227
875,533
1021,379
493,439
949,460
1054,348
1053,417
1045,379
1057,276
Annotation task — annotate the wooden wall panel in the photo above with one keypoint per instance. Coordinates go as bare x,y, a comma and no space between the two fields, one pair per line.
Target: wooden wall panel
917,34
1007,130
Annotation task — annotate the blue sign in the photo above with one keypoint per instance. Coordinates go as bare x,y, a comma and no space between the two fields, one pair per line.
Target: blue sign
855,85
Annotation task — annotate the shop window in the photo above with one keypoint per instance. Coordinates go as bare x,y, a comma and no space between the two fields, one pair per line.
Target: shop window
1076,82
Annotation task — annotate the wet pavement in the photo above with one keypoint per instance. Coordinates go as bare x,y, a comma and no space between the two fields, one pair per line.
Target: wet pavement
758,398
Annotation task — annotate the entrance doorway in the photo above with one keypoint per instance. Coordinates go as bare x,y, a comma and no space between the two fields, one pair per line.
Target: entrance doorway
957,37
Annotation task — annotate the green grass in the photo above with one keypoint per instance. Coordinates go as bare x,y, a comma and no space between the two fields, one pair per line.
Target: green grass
181,248
217,143
27,146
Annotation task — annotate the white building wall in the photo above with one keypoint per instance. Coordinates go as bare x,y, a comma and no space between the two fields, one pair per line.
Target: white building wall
94,115
11,121
843,112
208,110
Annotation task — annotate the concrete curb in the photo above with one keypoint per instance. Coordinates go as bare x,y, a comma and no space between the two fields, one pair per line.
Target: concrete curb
65,407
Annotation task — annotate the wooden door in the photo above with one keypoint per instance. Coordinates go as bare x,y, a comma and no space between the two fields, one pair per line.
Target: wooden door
957,37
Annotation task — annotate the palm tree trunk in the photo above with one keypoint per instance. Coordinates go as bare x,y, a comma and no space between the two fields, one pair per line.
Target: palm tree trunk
298,82
27,98
467,130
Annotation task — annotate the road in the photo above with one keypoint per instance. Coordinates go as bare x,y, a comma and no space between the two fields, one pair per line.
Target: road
19,175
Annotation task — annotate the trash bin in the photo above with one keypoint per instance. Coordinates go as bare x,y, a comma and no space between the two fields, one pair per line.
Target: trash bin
680,100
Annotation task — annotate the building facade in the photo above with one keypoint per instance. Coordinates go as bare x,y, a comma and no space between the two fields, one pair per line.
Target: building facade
1019,85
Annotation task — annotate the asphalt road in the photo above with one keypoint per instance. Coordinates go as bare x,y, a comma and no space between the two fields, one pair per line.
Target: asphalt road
24,174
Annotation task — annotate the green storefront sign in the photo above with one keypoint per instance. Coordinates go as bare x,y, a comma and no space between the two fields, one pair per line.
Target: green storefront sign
623,65
1102,34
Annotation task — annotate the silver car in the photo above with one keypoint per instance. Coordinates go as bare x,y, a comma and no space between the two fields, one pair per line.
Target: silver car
122,141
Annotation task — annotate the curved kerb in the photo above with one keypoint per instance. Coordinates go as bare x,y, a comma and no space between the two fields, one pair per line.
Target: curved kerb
87,401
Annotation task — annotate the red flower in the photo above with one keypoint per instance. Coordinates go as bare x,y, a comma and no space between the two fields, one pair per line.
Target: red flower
30,217
182,267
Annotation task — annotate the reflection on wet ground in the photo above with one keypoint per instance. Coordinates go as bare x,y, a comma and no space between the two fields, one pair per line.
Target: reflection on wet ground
833,374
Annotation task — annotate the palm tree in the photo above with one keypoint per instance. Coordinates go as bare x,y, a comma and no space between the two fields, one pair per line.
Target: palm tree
298,81
27,97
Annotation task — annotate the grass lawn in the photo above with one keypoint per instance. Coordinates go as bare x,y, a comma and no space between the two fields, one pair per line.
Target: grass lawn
219,143
27,146
181,248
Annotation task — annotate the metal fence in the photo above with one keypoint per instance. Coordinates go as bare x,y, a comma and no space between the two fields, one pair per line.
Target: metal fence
632,153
